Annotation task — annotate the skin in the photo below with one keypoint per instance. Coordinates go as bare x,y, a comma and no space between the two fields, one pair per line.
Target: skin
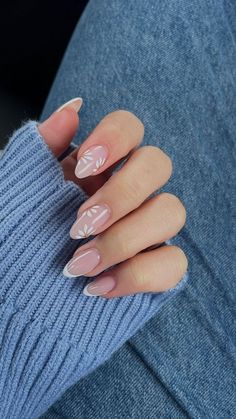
138,223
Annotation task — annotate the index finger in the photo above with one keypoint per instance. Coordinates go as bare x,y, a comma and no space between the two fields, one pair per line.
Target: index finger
113,138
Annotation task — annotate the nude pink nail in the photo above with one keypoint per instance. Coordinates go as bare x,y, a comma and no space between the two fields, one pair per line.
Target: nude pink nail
89,221
84,262
91,160
75,104
100,286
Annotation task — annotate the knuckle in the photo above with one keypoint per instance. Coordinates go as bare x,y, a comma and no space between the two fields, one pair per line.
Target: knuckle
119,241
136,274
176,207
116,120
155,159
179,260
128,190
130,116
112,128
150,153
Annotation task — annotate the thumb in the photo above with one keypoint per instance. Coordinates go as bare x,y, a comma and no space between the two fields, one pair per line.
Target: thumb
59,129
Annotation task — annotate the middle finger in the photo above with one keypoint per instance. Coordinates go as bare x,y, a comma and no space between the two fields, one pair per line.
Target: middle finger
146,170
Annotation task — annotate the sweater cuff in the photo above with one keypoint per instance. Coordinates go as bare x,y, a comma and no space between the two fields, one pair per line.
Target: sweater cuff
51,334
30,176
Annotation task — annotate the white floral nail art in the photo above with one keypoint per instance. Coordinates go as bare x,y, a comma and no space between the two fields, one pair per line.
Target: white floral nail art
85,231
87,156
99,163
91,211
89,221
91,160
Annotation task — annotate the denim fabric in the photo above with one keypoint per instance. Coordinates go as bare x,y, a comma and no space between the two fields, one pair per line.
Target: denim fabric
172,63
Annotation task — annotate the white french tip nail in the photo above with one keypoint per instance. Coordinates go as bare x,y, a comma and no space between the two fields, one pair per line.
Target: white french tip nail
85,292
75,103
67,273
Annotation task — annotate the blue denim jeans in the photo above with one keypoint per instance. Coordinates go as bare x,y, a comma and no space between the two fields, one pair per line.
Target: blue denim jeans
172,63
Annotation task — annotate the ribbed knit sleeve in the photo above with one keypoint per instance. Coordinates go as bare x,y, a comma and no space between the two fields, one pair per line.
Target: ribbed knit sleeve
51,334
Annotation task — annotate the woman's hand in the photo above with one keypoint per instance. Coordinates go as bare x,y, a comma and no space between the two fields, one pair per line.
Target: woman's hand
127,223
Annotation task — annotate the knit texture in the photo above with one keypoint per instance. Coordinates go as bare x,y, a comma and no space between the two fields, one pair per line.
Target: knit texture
51,335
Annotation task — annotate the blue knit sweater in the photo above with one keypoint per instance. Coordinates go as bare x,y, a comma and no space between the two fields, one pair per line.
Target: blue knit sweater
51,334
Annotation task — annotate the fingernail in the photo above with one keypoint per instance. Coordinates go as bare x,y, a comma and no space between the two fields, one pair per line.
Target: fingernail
75,104
100,286
89,221
82,263
91,160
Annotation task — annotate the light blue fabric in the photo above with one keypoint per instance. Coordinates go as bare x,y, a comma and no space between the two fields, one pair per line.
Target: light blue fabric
172,63
51,334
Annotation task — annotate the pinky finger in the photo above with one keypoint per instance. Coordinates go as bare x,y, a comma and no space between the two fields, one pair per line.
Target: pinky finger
152,271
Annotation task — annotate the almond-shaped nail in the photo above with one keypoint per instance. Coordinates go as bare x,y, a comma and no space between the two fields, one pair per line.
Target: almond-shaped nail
100,286
91,160
83,263
75,104
89,221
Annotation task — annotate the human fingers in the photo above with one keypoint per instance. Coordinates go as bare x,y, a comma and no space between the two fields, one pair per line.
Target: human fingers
113,138
152,271
155,221
59,129
146,170
116,135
